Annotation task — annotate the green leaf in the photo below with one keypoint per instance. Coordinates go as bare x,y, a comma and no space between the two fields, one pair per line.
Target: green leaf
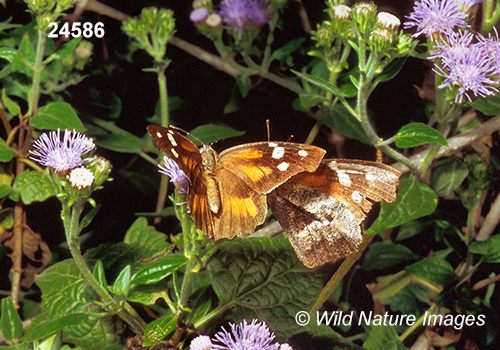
309,100
415,199
209,133
262,278
10,54
149,241
99,274
448,177
64,50
5,190
489,105
493,253
6,153
39,330
382,255
391,70
87,219
119,140
11,324
416,134
287,49
320,83
158,329
11,105
122,282
341,120
383,338
435,270
157,270
244,84
410,229
33,186
65,291
57,115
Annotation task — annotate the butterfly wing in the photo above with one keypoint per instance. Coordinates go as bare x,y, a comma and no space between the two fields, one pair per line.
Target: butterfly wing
179,148
321,212
354,183
265,165
319,227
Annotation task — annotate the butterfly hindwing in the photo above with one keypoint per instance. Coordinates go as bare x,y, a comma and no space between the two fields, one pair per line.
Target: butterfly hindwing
345,190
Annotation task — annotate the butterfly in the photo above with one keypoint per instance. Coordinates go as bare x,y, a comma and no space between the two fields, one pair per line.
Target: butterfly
227,192
322,212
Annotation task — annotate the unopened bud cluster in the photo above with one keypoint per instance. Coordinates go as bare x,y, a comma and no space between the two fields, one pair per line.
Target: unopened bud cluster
47,11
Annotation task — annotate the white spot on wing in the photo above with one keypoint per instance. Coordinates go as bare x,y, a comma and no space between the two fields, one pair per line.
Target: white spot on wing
357,196
174,152
370,177
278,152
303,153
273,144
283,166
159,135
172,140
344,178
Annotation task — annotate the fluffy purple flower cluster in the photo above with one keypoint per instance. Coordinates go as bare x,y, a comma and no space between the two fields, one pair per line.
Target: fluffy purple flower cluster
467,62
240,14
254,336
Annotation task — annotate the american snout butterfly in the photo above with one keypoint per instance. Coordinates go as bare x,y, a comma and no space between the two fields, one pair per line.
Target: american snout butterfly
321,212
227,193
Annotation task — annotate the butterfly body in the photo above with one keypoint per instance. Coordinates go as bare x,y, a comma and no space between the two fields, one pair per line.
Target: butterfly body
227,194
322,212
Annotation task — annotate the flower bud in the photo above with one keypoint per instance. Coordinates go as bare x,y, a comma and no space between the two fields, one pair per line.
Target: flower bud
364,16
213,20
381,40
388,20
198,15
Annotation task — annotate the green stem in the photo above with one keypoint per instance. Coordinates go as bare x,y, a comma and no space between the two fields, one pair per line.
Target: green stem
162,85
490,22
37,73
71,220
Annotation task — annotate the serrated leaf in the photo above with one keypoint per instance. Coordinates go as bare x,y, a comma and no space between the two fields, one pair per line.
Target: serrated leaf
39,330
11,105
122,282
309,100
415,199
33,186
210,133
148,240
326,85
341,120
157,270
448,177
382,255
118,140
489,105
383,338
57,115
262,278
158,329
6,153
10,322
64,292
435,270
416,134
244,84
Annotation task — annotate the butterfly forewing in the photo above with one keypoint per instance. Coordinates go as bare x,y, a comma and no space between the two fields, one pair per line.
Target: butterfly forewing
265,165
179,148
227,193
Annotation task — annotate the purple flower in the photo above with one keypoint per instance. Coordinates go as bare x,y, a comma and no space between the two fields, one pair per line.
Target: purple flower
62,155
254,336
240,14
433,17
491,49
198,15
453,45
468,69
465,5
177,176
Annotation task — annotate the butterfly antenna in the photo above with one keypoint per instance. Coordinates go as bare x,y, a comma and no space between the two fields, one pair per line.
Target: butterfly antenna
268,130
290,138
187,133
